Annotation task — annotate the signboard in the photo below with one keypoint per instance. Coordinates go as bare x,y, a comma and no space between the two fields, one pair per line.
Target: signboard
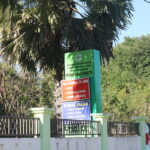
75,89
79,110
79,64
85,64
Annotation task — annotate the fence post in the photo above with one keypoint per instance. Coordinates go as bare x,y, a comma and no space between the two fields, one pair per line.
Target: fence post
44,115
103,118
142,126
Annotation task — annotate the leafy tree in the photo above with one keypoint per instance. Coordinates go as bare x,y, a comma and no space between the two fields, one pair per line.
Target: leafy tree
133,55
39,32
18,93
47,89
125,81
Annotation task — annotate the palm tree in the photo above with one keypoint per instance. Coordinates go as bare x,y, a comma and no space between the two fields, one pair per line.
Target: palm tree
37,33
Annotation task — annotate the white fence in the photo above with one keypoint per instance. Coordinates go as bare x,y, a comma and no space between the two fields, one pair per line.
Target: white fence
114,143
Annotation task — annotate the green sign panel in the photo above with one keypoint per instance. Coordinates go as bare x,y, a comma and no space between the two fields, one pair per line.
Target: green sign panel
79,64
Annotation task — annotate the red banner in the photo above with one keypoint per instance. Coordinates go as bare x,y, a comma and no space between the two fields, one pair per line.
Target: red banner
75,89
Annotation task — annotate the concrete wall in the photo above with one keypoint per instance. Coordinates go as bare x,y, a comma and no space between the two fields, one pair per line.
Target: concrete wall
19,144
124,143
75,143
114,143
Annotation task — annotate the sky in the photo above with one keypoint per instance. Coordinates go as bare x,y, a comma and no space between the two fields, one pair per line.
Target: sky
140,24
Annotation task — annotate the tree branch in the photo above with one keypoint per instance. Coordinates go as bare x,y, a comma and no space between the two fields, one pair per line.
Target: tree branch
147,1
82,6
75,10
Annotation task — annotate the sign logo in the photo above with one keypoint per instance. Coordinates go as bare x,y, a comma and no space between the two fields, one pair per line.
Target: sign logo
78,57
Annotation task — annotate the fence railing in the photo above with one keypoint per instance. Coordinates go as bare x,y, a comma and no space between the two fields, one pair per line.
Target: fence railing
122,128
65,127
11,126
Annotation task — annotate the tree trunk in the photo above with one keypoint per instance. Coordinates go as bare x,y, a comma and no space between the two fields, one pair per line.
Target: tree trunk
57,99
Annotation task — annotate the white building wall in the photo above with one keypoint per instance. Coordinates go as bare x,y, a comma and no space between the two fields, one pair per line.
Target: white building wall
114,143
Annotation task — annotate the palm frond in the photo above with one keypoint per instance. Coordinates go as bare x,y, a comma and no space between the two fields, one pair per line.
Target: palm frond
37,33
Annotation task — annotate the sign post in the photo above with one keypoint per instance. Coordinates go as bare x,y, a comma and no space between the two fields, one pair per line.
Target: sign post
86,64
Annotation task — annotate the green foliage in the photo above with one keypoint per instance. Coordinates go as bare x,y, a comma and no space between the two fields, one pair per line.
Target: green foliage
47,89
39,32
134,56
18,93
126,80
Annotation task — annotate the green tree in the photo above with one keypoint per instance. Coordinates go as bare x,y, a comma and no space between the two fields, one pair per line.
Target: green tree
39,32
18,93
125,81
134,53
47,89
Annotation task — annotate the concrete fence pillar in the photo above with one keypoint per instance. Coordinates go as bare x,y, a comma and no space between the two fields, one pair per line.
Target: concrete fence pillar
103,118
44,115
142,127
